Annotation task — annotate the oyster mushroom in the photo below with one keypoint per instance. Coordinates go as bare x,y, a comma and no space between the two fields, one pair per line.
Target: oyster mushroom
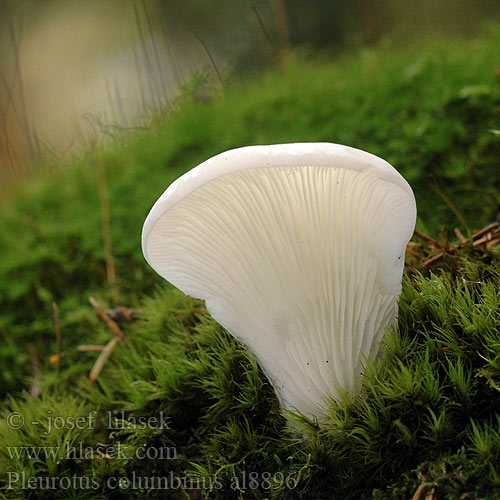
298,251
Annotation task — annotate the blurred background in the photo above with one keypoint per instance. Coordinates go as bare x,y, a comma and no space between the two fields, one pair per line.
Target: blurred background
73,72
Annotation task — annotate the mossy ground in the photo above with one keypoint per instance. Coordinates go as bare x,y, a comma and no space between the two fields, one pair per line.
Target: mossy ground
430,409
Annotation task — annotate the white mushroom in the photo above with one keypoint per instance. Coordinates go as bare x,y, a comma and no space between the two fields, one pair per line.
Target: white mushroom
298,251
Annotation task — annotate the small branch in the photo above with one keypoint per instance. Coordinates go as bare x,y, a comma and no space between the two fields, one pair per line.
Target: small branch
426,238
481,232
492,243
109,322
433,260
487,237
101,360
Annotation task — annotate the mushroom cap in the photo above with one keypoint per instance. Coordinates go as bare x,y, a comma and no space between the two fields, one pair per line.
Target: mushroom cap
298,251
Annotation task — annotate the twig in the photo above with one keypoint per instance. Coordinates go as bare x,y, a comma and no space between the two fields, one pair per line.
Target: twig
487,239
433,260
109,322
488,236
101,360
486,229
492,243
484,239
424,237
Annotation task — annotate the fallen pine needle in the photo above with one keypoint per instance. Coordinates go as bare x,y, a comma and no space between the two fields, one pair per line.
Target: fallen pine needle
431,495
446,349
90,348
459,235
37,376
424,237
488,237
109,322
101,360
487,229
492,243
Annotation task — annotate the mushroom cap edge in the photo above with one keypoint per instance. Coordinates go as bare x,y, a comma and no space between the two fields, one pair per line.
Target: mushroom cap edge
262,156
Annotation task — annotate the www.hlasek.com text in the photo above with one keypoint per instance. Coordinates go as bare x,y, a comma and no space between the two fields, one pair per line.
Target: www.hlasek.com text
80,451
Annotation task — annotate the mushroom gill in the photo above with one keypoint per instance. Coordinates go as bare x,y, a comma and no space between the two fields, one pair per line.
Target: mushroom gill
297,250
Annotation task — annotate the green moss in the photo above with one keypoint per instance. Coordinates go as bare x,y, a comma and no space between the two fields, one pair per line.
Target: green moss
428,109
429,412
